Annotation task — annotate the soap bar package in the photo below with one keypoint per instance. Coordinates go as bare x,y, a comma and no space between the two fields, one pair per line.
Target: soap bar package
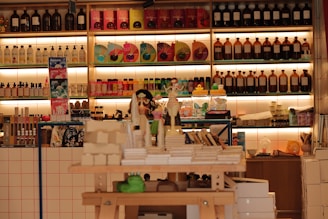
122,19
150,19
136,19
96,19
109,19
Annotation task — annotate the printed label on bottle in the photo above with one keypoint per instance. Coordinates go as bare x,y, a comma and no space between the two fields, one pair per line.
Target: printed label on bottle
285,48
240,82
306,14
276,48
227,49
250,81
297,15
15,22
267,49
273,81
217,16
294,81
266,15
304,81
228,81
257,49
297,47
35,21
247,16
80,19
257,15
238,49
218,49
247,48
226,16
276,15
285,15
283,81
236,16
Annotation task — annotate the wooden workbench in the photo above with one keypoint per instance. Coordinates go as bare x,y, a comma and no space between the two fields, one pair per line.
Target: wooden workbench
110,205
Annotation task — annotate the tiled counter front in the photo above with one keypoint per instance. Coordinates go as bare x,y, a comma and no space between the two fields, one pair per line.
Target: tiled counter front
19,184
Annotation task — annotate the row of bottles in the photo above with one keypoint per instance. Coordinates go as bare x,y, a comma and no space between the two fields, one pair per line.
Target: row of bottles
242,82
29,56
47,22
267,50
267,16
21,89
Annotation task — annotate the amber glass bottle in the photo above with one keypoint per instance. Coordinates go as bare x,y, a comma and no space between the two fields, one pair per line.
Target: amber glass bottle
296,49
228,83
240,83
272,80
276,55
257,49
306,50
263,83
247,47
238,52
283,82
250,83
218,50
285,49
267,49
216,78
305,81
294,82
227,52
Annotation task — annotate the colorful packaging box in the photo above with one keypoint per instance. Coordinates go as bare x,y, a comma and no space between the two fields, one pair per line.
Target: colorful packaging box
122,19
150,19
203,18
191,18
163,19
109,19
177,18
136,19
96,20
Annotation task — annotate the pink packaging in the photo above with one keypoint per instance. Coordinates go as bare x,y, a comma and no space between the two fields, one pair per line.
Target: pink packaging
163,19
122,19
109,19
150,19
203,18
96,20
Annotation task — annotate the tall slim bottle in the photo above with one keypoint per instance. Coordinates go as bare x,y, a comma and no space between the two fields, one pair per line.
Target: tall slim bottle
305,81
81,20
46,21
22,55
250,83
228,83
267,49
217,16
247,16
247,46
56,21
307,14
267,15
82,55
36,21
257,49
227,54
1,56
276,47
273,82
14,55
286,49
294,82
238,50
306,50
240,83
14,22
236,16
283,82
218,50
29,55
276,15
296,49
6,55
285,15
69,20
263,83
226,16
25,22
296,15
257,16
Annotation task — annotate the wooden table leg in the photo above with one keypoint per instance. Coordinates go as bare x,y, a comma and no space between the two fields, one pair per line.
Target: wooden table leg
109,209
207,209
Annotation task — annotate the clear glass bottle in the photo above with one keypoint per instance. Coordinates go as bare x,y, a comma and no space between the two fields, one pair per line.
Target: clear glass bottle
81,20
82,55
46,21
294,82
6,55
247,16
296,49
45,56
69,20
25,22
36,21
273,82
38,56
60,52
67,54
56,21
217,16
267,49
247,49
52,53
305,81
22,55
14,22
238,49
14,55
276,49
218,50
236,16
30,55
75,55
263,83
276,15
283,82
227,52
257,49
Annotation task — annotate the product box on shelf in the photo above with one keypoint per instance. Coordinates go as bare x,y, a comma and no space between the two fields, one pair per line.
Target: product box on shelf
96,20
191,18
122,19
163,19
257,204
203,18
136,19
177,18
150,18
109,19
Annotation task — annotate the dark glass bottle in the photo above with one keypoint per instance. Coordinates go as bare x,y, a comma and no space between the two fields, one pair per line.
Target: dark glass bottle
217,78
272,81
228,83
69,20
250,83
296,49
25,22
305,81
257,49
247,47
236,16
226,16
238,49
267,49
257,16
283,82
56,21
263,83
307,15
267,15
46,21
285,49
247,16
276,47
296,15
306,50
218,50
276,15
285,15
217,16
14,22
240,83
227,52
36,21
294,82
234,82
81,21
